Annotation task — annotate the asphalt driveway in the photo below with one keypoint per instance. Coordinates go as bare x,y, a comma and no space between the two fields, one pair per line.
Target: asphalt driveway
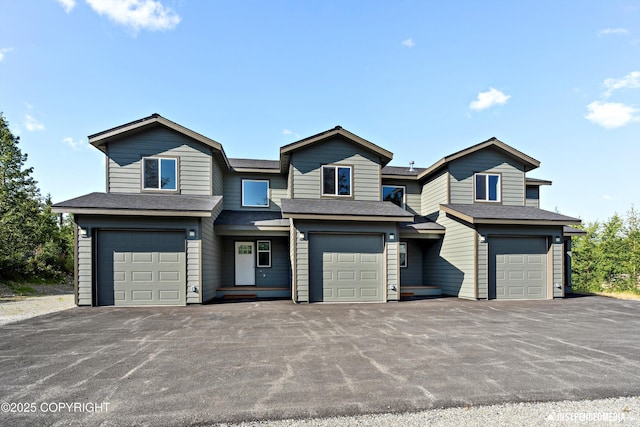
274,359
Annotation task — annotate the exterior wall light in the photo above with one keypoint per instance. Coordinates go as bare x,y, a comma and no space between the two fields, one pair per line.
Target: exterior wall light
392,236
483,238
300,235
83,231
191,234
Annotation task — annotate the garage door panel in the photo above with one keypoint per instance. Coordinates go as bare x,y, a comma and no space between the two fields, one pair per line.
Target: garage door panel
346,268
518,267
141,268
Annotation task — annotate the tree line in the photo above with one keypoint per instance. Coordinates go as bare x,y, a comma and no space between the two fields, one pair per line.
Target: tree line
607,258
34,242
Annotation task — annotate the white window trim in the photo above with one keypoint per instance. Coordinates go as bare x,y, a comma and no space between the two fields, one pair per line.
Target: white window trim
242,193
258,251
406,255
335,181
159,159
404,193
486,177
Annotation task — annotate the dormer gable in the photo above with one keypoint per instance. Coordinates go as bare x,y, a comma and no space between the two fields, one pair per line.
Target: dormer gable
337,132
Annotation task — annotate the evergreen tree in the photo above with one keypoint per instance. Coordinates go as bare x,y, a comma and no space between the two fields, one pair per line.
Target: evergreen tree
19,206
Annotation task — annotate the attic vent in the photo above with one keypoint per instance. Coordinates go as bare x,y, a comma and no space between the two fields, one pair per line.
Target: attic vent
411,163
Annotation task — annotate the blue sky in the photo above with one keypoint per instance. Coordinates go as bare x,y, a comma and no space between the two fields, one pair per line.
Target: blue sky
558,80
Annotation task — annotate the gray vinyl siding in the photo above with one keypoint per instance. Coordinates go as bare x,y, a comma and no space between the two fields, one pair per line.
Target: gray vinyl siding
307,164
124,165
533,196
393,273
434,193
276,276
450,263
232,198
194,272
211,257
412,194
487,161
483,252
412,274
93,222
301,267
218,178
85,270
558,268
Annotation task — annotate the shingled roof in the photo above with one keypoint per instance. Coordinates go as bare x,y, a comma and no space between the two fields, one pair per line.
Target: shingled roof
501,214
140,204
344,209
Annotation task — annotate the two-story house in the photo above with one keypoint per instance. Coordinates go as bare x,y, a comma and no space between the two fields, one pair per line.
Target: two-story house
329,221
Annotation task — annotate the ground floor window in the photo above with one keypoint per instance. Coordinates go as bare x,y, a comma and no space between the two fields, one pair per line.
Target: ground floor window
403,254
264,253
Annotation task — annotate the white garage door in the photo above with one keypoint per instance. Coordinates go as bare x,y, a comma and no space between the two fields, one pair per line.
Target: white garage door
518,268
141,268
346,268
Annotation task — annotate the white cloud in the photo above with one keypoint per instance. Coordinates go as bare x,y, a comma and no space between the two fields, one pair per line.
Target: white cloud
611,31
32,124
408,42
630,81
73,144
607,197
137,14
611,114
489,99
289,132
67,5
3,51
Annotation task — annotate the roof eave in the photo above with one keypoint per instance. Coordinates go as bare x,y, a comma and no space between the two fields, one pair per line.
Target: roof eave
529,162
385,155
130,212
338,217
98,140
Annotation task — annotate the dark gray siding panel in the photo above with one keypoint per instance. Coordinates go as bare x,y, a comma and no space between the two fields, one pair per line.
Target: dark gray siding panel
412,274
491,161
211,257
233,190
276,276
218,177
307,166
533,196
412,194
124,166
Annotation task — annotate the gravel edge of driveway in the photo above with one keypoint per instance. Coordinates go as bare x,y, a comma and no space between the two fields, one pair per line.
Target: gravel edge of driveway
15,311
613,411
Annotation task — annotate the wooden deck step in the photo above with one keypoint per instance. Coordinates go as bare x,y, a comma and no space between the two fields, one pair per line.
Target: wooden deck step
240,296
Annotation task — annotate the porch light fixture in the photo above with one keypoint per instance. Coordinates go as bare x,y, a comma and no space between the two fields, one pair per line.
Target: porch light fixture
483,238
557,239
392,236
192,234
300,235
83,231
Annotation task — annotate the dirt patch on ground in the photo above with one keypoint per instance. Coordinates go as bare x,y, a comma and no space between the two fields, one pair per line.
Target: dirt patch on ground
18,292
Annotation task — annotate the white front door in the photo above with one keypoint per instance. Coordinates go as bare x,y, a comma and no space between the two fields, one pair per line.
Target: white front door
245,264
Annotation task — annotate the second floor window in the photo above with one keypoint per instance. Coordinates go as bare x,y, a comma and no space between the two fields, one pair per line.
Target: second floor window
487,187
393,194
336,180
255,193
159,174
